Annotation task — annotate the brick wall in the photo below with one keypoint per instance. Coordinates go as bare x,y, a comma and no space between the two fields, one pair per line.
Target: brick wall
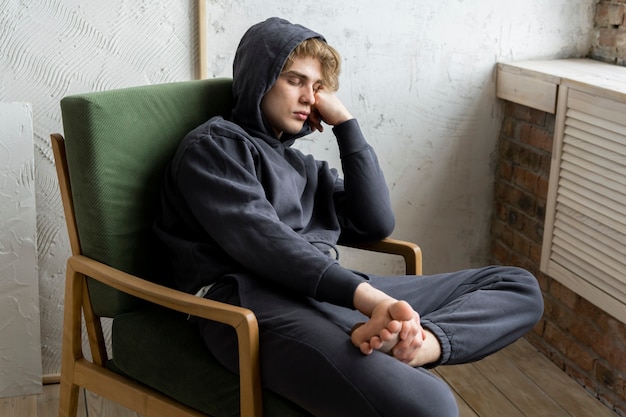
609,43
580,338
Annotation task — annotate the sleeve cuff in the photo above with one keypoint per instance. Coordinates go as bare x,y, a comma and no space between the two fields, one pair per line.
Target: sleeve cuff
350,138
338,285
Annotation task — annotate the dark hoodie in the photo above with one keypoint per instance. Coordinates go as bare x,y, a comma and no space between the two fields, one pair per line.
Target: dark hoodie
238,202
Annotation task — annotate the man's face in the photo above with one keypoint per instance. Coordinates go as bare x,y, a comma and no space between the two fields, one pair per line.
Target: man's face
287,105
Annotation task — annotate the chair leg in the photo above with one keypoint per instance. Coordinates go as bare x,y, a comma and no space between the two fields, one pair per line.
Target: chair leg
72,342
68,399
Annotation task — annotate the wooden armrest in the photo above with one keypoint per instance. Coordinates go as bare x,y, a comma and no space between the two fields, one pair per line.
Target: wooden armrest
411,252
158,294
241,319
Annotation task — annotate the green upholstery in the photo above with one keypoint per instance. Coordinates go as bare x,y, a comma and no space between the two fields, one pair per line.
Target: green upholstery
175,362
117,144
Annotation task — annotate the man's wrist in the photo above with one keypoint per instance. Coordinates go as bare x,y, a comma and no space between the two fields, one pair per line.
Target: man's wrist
366,298
338,285
350,138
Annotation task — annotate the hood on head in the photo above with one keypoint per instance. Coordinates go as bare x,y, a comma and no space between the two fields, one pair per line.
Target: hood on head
259,59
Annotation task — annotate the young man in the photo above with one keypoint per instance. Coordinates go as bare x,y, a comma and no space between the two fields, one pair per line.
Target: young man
250,221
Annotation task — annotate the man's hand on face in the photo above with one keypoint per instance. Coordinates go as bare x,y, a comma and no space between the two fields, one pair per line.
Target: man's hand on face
328,109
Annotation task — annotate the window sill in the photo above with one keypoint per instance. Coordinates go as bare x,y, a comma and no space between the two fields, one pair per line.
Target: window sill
535,83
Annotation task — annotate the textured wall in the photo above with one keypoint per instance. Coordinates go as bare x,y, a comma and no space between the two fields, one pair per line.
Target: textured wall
418,75
20,356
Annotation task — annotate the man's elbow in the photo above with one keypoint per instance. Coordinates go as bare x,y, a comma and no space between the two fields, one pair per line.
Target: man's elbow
375,230
383,229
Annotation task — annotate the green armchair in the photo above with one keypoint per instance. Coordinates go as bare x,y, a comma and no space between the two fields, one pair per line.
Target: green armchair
109,166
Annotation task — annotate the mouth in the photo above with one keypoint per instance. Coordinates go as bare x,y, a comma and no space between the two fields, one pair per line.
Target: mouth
302,115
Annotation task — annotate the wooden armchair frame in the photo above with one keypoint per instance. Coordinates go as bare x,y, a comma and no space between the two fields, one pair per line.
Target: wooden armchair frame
79,372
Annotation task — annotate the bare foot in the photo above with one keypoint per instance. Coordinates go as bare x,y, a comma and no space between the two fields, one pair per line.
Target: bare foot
384,342
428,352
386,327
393,327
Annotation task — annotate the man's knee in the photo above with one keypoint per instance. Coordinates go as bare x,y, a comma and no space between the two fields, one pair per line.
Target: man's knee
432,396
442,402
529,292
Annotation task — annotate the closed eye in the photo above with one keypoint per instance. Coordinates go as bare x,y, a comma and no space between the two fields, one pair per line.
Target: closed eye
298,80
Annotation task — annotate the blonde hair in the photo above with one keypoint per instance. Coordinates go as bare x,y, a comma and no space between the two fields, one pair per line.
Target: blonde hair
326,54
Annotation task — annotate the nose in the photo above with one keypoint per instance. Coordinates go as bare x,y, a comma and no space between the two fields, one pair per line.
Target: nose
308,95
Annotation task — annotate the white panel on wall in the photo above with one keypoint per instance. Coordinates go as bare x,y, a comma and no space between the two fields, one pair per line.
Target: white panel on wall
20,349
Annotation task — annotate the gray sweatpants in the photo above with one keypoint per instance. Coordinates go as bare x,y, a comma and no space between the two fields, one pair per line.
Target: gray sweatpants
307,355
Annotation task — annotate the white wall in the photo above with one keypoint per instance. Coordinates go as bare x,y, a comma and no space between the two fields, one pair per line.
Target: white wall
20,354
418,74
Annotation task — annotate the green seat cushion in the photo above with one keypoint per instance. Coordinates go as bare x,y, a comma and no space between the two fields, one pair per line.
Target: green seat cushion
163,350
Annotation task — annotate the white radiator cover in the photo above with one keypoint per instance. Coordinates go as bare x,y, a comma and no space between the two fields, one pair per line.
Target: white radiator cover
584,243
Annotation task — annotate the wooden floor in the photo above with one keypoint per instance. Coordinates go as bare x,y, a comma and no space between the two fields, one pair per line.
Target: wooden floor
516,382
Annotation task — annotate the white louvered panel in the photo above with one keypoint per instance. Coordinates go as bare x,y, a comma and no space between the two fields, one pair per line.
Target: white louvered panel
606,174
581,268
605,201
595,146
577,268
587,248
600,129
591,249
574,219
585,230
591,209
609,111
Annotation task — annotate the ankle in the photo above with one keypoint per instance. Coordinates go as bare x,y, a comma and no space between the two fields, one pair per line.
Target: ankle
430,352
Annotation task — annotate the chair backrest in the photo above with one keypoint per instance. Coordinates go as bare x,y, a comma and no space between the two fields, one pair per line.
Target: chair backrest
117,144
